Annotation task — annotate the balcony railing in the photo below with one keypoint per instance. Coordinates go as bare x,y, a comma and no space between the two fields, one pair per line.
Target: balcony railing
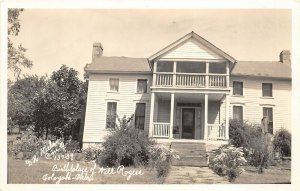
161,130
165,79
216,131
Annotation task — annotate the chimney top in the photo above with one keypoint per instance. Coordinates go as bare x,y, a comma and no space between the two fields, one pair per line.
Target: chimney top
97,50
285,57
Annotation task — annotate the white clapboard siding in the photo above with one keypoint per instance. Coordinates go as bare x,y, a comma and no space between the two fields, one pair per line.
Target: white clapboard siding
126,98
252,101
191,49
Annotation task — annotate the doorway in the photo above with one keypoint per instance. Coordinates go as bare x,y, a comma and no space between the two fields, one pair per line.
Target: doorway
188,123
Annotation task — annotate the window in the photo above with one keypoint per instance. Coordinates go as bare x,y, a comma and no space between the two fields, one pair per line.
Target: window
267,90
140,115
114,84
141,86
268,112
237,88
238,113
111,115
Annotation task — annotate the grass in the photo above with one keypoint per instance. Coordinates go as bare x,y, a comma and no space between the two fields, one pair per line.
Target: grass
273,175
20,173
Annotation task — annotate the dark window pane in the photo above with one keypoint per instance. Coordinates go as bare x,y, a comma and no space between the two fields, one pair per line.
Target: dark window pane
140,115
217,68
165,66
190,67
111,114
237,88
142,86
267,90
268,112
114,84
238,113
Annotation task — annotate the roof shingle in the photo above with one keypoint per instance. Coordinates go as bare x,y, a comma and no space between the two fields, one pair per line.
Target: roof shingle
119,64
262,69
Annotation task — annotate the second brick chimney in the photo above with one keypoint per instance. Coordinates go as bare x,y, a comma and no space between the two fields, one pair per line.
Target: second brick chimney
285,57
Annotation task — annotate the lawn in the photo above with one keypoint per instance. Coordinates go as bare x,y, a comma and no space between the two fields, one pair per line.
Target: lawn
280,174
20,173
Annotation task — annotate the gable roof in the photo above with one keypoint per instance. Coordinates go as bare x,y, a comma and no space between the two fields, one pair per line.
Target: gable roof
197,38
118,65
271,69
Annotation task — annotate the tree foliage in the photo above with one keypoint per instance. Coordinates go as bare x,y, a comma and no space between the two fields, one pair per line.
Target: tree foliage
16,54
51,105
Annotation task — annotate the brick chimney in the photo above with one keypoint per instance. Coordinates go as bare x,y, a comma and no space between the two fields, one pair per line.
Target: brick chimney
97,50
285,57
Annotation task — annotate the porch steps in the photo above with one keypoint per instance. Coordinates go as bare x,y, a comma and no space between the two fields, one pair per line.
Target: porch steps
191,154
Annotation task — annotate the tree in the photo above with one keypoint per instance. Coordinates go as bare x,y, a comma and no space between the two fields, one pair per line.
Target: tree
20,97
58,107
16,55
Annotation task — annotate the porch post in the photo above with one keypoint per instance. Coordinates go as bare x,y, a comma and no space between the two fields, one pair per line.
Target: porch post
151,114
205,116
172,116
174,73
154,73
227,73
206,75
227,118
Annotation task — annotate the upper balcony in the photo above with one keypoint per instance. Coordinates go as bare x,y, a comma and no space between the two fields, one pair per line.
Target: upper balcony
191,74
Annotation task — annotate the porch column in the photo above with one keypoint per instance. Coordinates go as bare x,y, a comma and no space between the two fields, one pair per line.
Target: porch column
172,116
227,118
206,75
205,116
154,73
174,73
227,73
151,114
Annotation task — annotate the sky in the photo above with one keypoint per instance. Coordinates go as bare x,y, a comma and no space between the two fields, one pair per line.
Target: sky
56,36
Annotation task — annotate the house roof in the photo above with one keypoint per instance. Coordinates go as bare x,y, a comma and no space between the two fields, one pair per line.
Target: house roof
273,69
119,65
199,39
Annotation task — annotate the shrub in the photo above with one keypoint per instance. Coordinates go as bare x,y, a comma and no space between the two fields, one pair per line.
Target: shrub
257,146
72,146
161,158
228,161
91,153
125,145
282,142
241,132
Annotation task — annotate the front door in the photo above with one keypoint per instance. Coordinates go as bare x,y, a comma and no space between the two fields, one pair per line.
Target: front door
188,123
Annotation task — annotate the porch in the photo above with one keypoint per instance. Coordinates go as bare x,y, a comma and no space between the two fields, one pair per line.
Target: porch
189,116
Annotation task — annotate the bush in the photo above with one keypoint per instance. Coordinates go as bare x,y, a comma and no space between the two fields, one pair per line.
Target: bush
257,146
91,153
228,161
161,158
125,145
282,142
241,132
72,146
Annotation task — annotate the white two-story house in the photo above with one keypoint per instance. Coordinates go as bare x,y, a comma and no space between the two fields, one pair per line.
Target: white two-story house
188,90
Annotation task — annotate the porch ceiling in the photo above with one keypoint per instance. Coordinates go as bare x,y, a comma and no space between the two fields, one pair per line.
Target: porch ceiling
190,97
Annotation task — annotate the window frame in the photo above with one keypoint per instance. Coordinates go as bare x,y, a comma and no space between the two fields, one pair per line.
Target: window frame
240,106
107,110
263,91
137,86
116,89
233,89
138,117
